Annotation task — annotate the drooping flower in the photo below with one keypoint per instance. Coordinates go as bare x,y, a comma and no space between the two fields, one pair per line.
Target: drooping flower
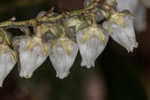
91,42
62,56
8,59
123,33
32,53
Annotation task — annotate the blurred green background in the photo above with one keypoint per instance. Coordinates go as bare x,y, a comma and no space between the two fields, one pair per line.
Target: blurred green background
118,75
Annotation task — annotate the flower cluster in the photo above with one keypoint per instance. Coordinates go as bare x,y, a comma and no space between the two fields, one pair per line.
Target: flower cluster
60,37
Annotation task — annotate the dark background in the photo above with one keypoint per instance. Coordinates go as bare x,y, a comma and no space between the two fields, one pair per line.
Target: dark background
118,75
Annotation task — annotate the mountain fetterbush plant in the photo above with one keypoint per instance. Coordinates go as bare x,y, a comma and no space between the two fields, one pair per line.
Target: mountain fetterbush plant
61,36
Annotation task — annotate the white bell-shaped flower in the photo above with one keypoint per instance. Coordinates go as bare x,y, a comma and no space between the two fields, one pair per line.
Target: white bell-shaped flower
127,5
62,56
7,62
32,53
125,36
91,42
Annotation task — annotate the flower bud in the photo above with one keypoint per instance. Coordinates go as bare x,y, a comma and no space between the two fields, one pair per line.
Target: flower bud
41,14
91,42
32,53
62,56
8,59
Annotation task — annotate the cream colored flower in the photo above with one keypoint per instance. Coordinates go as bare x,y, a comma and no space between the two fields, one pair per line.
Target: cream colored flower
62,56
124,35
8,59
32,53
91,42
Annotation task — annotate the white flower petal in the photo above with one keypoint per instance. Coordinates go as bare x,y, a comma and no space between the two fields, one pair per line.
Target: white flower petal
127,4
30,60
125,36
61,61
91,49
6,65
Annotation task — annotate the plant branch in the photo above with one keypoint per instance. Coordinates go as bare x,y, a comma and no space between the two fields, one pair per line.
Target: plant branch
50,18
